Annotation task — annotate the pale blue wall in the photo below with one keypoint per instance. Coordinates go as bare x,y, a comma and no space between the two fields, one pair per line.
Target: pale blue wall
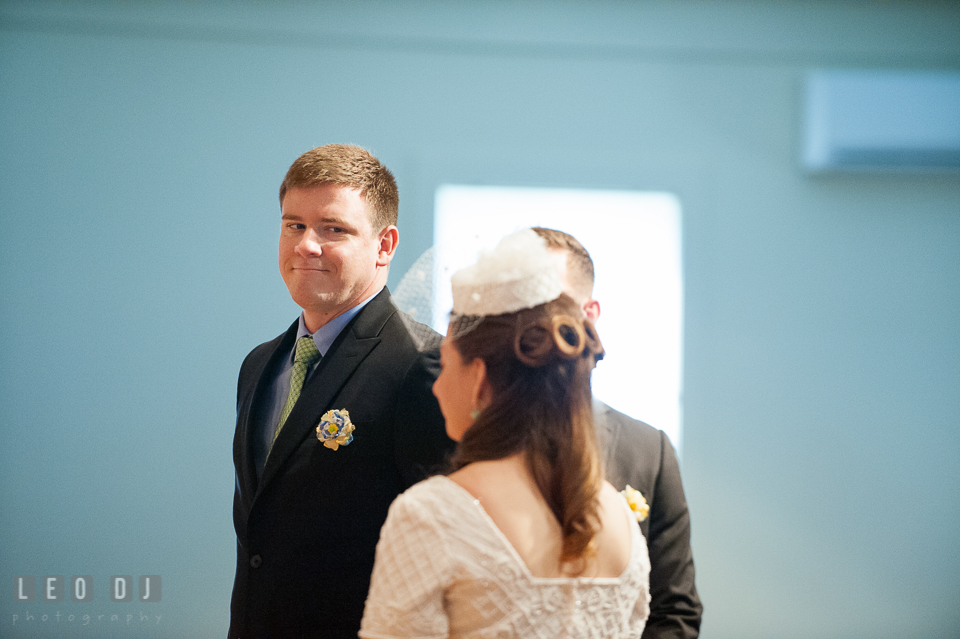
140,152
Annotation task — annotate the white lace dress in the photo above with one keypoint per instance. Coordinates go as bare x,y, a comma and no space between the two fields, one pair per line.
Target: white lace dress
444,569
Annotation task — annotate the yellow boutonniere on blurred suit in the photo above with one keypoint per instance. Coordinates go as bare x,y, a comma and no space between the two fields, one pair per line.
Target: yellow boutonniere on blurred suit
335,429
636,502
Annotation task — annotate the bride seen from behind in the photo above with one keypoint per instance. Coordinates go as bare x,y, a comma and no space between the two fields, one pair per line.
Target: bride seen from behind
523,538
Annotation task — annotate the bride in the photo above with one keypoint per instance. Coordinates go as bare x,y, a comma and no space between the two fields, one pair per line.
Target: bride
523,538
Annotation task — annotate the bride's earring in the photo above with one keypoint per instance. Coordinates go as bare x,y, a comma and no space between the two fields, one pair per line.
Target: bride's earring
474,414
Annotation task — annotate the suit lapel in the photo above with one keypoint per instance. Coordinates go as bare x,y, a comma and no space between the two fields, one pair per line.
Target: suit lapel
340,363
607,431
250,412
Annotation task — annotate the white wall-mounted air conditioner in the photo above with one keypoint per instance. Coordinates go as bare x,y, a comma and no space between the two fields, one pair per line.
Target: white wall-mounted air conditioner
882,120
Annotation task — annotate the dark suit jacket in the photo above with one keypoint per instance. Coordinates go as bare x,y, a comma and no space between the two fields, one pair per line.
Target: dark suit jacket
638,454
308,528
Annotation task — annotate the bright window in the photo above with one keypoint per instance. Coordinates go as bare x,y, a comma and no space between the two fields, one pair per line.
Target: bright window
634,240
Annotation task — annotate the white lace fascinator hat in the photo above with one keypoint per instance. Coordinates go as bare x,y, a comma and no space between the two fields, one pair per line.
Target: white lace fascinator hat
518,274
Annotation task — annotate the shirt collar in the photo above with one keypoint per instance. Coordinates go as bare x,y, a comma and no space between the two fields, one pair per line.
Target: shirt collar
325,335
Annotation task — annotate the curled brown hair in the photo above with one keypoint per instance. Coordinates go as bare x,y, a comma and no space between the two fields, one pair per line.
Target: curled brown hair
351,166
538,364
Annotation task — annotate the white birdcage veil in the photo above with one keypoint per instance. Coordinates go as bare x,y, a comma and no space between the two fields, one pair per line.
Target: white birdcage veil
518,274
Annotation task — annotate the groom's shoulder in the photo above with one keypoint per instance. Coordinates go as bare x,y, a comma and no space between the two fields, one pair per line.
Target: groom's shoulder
399,329
627,426
261,353
423,338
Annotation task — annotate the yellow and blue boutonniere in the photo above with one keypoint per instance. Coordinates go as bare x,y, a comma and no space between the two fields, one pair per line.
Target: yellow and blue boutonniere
335,429
636,502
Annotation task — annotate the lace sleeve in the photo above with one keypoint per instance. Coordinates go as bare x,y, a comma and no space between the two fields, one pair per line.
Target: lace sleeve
409,577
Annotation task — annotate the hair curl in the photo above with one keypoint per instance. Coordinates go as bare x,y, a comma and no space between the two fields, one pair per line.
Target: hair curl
538,364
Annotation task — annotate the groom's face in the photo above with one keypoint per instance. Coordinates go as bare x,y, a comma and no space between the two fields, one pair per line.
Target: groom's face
330,255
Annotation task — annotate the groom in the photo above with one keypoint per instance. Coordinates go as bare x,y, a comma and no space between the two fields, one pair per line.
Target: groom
335,417
638,454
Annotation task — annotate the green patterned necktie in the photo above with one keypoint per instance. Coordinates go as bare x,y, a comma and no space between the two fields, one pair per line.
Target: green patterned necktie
305,357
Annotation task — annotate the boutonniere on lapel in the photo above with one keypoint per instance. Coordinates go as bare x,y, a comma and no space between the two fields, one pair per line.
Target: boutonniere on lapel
335,429
636,502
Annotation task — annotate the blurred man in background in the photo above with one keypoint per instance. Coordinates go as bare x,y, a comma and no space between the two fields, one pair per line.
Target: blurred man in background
639,455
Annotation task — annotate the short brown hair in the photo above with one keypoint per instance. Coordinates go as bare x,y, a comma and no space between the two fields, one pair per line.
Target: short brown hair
579,264
351,166
538,364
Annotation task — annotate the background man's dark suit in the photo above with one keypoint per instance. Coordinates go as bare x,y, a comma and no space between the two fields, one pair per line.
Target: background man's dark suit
308,528
638,454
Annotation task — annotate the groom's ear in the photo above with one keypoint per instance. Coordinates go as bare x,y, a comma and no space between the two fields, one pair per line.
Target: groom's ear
389,237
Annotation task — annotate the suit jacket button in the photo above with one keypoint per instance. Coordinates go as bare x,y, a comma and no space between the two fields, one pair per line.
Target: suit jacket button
255,561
